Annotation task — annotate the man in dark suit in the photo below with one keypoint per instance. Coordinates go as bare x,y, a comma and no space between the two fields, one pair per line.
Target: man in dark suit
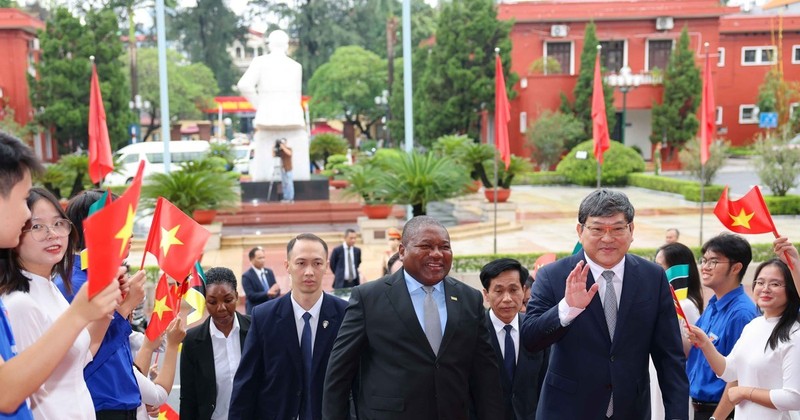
601,344
521,371
345,260
286,353
416,340
258,282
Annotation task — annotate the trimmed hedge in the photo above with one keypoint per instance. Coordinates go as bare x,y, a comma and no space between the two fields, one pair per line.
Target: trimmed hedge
689,189
618,161
788,204
473,263
541,178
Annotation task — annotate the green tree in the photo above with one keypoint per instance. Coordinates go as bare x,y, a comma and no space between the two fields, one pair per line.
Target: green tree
776,94
205,32
675,116
584,88
346,87
690,157
8,4
551,135
777,165
191,87
62,88
458,81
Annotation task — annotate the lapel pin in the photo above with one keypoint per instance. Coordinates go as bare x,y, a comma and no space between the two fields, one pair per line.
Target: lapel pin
324,324
455,298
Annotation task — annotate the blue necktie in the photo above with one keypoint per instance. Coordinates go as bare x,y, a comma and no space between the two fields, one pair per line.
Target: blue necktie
509,359
306,351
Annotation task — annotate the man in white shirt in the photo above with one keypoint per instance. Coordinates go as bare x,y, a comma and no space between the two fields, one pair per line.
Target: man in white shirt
259,281
345,260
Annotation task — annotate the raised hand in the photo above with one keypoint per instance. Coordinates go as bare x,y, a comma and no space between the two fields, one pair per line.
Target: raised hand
102,305
783,249
576,294
175,332
697,336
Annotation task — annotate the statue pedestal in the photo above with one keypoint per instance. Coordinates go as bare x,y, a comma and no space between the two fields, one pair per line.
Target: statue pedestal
373,231
215,239
505,211
313,189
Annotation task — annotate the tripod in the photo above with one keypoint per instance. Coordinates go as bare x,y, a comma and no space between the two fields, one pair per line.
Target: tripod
277,166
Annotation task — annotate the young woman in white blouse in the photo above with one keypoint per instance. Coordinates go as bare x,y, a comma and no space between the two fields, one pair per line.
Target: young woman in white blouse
765,358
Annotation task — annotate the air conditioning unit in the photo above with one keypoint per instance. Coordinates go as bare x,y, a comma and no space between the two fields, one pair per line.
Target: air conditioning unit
559,31
664,23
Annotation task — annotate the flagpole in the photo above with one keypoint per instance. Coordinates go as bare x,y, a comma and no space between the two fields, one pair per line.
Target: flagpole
703,164
494,196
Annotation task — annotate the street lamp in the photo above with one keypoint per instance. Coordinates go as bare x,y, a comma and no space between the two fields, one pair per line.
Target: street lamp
625,81
383,101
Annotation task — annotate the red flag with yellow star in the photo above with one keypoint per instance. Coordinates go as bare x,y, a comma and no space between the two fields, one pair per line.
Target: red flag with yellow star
165,412
176,240
165,309
748,214
108,235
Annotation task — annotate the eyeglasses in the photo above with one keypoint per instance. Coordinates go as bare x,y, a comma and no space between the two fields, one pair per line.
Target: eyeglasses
712,263
39,231
616,231
771,285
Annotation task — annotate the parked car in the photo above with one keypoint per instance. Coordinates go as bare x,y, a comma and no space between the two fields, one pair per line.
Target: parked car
153,154
244,154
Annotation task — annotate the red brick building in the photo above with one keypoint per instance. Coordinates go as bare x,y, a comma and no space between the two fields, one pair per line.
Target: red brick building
640,35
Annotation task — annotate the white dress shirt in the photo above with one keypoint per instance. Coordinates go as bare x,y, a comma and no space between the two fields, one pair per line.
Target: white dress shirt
567,314
227,355
312,322
152,394
501,333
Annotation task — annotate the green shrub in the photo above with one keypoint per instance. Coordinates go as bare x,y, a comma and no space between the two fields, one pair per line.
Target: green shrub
325,145
712,193
788,204
541,178
690,157
618,162
777,164
690,190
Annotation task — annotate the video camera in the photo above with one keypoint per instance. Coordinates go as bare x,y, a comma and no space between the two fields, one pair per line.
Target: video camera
277,149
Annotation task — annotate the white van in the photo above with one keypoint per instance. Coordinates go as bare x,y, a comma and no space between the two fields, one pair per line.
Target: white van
153,154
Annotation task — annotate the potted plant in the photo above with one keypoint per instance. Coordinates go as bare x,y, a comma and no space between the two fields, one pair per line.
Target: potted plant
334,170
365,180
518,166
199,189
325,145
465,152
417,179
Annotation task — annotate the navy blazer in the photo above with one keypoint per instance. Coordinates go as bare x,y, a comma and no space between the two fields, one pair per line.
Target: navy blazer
520,395
269,381
585,365
337,265
198,374
254,291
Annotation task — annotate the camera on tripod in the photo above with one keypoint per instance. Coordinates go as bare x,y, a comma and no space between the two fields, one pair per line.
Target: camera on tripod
277,149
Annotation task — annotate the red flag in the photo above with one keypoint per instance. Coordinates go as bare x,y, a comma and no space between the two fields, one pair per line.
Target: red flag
165,412
708,114
165,309
748,214
100,162
542,261
108,234
502,115
599,121
678,308
176,240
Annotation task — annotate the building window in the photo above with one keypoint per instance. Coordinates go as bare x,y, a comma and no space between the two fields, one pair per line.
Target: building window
794,108
718,116
561,52
658,52
238,52
755,56
720,57
612,56
523,122
748,114
795,54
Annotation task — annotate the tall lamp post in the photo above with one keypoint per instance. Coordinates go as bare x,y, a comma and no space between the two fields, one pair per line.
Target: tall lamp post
625,81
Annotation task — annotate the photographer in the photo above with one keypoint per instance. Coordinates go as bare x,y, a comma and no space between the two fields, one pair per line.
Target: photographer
283,151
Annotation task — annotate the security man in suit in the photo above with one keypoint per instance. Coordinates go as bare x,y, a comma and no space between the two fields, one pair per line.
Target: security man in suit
258,282
521,371
416,341
345,260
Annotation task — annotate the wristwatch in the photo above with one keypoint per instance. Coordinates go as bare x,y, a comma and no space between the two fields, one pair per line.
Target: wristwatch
712,418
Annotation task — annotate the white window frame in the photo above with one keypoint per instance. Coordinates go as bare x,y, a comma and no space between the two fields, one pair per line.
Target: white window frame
571,55
795,48
718,116
758,51
624,48
721,57
793,107
647,50
753,120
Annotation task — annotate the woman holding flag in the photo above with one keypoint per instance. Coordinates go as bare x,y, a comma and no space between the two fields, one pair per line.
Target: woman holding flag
768,342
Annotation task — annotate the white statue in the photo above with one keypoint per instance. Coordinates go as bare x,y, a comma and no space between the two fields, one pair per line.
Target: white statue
272,84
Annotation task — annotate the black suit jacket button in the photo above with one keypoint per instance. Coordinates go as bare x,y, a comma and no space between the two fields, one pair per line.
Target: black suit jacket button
612,357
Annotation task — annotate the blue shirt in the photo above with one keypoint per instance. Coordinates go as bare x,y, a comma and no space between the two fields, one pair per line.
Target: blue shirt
723,321
7,351
418,298
78,278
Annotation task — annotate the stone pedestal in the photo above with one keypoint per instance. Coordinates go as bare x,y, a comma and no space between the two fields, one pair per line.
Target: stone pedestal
505,211
215,239
373,231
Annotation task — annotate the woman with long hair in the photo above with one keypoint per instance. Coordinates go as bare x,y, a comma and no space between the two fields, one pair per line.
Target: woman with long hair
765,358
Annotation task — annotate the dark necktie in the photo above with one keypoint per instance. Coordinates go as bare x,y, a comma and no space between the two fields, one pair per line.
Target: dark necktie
509,359
305,350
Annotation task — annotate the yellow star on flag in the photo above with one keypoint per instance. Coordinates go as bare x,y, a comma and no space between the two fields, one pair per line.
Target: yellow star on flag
160,307
169,238
162,415
743,219
126,232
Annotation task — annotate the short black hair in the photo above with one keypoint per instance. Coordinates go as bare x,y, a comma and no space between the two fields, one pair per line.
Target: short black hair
15,159
305,237
493,269
252,253
733,247
221,275
604,203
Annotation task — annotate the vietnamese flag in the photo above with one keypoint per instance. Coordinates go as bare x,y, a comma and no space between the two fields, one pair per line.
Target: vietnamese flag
176,240
599,122
165,309
748,214
108,235
165,412
502,114
708,114
100,163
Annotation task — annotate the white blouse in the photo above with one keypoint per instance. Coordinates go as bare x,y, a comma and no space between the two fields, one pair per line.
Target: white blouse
777,370
152,394
64,394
